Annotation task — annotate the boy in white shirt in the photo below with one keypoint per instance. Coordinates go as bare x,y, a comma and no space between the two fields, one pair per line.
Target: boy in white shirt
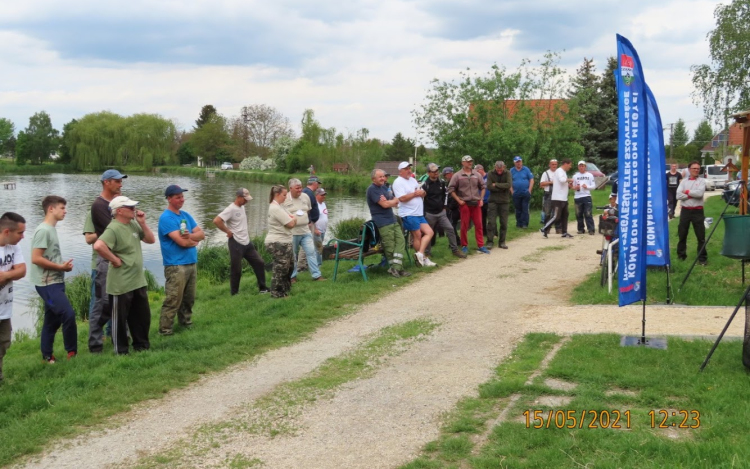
583,182
12,267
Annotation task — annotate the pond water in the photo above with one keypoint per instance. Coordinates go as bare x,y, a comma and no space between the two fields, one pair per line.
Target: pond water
206,197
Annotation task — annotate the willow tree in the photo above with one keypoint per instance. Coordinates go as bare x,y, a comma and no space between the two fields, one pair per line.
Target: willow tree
106,139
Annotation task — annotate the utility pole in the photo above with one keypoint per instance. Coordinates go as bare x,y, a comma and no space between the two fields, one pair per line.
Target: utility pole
671,141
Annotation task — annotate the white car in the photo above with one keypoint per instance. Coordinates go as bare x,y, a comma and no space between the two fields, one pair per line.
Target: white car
225,165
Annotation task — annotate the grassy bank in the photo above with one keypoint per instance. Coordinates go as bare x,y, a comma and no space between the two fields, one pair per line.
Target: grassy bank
668,414
719,283
42,402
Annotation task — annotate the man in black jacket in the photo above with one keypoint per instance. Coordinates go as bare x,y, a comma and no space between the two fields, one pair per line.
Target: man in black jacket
500,185
435,208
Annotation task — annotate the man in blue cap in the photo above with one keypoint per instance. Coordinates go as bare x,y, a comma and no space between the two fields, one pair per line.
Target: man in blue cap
523,182
179,234
101,215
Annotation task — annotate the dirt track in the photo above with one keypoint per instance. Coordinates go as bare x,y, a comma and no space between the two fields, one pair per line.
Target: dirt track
384,420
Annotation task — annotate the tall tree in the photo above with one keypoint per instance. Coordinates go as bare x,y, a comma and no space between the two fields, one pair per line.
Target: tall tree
703,134
211,141
40,139
66,156
680,135
7,130
260,126
400,149
205,116
722,86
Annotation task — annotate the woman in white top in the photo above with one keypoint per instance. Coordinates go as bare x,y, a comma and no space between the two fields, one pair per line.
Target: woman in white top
279,242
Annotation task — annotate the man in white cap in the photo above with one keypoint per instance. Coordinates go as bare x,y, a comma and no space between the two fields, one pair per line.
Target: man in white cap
410,197
120,245
111,181
583,182
233,222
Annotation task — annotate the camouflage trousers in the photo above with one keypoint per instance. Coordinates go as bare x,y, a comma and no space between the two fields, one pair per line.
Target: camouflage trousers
283,266
179,296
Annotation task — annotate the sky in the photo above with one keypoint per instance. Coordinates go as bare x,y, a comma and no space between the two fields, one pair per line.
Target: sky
356,63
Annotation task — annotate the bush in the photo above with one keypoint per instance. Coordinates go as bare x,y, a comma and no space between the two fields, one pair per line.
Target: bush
213,263
254,163
348,229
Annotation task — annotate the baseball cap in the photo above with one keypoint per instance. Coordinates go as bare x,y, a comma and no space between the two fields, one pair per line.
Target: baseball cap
112,174
517,158
121,201
244,193
174,190
467,158
447,170
320,191
403,164
312,179
581,162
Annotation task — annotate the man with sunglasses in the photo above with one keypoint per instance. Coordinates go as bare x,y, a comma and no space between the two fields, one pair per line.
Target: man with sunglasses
690,194
120,245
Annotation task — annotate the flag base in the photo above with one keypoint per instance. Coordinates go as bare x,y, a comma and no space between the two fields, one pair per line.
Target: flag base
649,342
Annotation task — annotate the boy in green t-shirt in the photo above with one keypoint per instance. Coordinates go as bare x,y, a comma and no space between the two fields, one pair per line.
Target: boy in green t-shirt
48,277
120,244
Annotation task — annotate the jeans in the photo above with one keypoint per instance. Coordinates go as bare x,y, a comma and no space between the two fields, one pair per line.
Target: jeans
179,296
57,312
307,243
473,213
695,217
101,303
584,206
440,220
495,210
237,252
521,204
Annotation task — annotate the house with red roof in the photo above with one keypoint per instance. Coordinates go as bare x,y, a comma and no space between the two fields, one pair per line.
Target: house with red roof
730,140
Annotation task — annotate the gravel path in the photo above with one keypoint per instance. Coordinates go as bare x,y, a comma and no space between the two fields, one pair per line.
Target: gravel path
384,420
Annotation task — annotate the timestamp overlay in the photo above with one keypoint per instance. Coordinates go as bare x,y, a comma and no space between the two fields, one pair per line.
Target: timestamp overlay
616,419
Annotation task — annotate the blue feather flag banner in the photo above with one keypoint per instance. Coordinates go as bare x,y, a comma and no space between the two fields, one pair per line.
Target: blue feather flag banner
657,212
632,150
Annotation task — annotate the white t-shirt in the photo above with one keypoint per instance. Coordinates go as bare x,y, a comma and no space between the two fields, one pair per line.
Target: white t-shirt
236,220
10,255
560,185
322,223
583,178
547,176
415,206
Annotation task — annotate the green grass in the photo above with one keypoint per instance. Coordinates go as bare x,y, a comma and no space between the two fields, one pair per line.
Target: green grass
607,378
43,402
717,284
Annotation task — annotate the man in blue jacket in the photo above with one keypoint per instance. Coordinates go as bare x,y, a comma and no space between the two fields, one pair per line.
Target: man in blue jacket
523,182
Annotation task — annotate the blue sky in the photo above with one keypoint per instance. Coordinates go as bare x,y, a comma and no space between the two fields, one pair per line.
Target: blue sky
359,63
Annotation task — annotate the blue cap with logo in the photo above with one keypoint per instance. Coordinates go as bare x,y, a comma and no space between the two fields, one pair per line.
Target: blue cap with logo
517,158
112,174
173,190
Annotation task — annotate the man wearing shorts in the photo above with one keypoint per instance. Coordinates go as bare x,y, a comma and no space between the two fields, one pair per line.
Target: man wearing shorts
411,210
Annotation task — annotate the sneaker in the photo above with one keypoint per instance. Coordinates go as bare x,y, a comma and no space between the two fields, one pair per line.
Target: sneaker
429,263
394,272
166,333
483,250
72,355
567,235
459,254
544,233
465,249
264,290
420,258
320,279
503,246
489,245
51,359
403,273
581,232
